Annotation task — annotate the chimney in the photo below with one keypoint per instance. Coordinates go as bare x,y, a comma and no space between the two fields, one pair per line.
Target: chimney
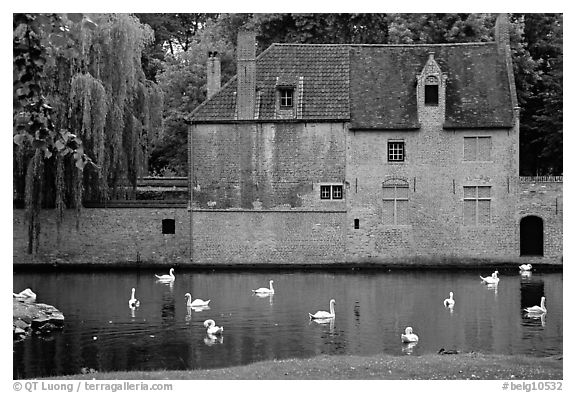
502,33
246,59
213,74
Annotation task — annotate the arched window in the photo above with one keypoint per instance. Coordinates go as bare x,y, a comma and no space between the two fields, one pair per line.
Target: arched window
531,236
395,202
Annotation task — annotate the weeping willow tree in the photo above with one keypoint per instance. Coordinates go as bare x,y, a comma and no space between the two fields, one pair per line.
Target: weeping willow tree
80,97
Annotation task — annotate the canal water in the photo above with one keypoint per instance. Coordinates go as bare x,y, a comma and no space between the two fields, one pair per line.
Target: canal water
372,310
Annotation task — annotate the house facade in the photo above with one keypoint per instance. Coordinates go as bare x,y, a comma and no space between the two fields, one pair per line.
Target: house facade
359,153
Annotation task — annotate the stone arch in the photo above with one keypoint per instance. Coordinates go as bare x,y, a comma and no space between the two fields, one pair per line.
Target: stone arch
531,236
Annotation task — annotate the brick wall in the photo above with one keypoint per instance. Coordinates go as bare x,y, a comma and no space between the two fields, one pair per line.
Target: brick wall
109,235
267,166
542,197
436,173
268,237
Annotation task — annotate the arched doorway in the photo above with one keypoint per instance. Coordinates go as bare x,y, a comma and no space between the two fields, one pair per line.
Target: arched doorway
531,236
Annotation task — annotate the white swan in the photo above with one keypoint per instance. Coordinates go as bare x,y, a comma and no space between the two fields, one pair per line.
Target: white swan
525,267
493,279
541,309
211,327
408,336
196,302
25,294
133,302
167,277
450,301
325,314
265,291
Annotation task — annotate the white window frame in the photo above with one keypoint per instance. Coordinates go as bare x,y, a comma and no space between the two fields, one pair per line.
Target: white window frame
394,154
331,191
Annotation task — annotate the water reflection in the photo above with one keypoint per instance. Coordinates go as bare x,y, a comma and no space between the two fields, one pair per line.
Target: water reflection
269,296
373,307
408,348
212,339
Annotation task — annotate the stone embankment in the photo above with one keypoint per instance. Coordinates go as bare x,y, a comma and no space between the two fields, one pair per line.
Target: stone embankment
29,317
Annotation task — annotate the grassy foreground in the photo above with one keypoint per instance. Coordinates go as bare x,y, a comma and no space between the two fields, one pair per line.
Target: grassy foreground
462,366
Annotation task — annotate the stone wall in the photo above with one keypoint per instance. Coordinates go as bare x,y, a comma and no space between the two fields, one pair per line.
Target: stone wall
266,166
436,173
542,197
268,237
107,235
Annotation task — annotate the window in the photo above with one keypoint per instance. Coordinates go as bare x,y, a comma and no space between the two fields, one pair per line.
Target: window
396,151
331,192
356,223
431,91
477,148
286,98
477,205
395,202
168,226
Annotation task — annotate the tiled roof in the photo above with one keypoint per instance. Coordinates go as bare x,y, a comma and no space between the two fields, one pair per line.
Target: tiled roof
374,86
383,85
325,72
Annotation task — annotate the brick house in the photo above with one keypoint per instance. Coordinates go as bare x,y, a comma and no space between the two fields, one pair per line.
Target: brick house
358,153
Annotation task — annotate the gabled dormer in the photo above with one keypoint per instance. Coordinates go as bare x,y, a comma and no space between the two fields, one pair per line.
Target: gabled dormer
288,97
431,92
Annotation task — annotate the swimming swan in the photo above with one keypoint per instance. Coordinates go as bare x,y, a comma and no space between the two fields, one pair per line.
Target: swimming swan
541,309
265,291
525,267
196,302
493,279
325,314
167,277
25,294
450,301
211,327
408,336
133,302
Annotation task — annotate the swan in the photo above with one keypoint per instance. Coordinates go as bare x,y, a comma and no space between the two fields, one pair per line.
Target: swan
525,267
196,302
408,336
493,279
325,314
25,294
167,277
541,309
450,301
265,291
211,327
133,302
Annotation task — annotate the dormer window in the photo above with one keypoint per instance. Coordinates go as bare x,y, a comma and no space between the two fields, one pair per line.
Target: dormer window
431,91
286,98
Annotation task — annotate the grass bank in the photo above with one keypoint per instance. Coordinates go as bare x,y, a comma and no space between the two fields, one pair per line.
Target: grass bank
462,366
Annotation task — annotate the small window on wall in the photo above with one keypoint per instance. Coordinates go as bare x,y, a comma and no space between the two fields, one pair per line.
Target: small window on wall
396,151
168,226
286,98
477,200
477,148
431,91
333,191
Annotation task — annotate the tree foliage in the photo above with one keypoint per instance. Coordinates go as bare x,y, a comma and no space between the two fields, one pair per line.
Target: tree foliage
80,97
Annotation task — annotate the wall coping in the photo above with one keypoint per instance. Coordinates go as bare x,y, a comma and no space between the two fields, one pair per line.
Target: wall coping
541,179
